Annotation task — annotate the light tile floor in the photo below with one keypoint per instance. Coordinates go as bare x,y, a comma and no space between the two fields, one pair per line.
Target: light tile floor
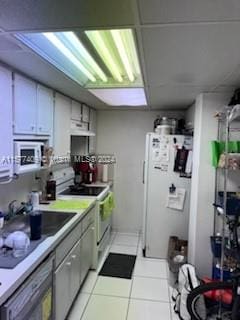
145,297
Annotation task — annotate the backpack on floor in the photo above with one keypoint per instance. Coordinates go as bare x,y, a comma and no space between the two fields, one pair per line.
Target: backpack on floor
187,281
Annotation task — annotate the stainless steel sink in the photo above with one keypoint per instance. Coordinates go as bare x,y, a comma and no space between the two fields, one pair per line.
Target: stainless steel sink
52,222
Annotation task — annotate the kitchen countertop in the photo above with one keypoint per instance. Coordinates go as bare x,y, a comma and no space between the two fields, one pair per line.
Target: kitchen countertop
101,184
11,279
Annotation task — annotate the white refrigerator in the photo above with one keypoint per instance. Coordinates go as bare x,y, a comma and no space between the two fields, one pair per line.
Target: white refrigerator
166,194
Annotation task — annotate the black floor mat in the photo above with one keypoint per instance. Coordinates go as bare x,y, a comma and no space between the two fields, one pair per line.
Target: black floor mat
118,265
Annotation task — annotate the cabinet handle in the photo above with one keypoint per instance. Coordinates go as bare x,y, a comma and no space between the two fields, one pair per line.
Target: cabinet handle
32,127
74,256
68,264
40,128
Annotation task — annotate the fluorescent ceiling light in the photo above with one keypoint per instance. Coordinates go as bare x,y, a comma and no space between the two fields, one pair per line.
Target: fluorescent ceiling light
74,40
57,43
116,34
93,58
121,96
98,42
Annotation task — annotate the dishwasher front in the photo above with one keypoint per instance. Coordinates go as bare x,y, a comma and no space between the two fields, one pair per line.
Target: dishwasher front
34,299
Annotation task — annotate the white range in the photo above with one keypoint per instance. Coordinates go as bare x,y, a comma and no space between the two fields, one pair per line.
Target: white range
66,189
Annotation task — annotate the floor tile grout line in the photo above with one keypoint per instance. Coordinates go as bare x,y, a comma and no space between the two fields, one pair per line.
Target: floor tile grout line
169,297
146,277
125,245
134,235
130,293
84,309
152,300
110,295
92,291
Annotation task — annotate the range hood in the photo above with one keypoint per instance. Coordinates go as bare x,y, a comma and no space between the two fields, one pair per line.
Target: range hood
82,133
80,129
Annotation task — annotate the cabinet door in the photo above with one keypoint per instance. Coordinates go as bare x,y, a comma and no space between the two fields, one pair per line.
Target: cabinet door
6,140
85,113
63,289
75,270
62,117
93,128
45,106
25,106
76,111
86,251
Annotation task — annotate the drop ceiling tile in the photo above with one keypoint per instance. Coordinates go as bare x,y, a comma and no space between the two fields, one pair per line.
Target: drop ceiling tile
225,89
190,55
173,97
164,11
233,79
46,14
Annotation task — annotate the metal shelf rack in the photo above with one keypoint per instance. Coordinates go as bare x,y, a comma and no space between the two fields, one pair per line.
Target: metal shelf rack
226,131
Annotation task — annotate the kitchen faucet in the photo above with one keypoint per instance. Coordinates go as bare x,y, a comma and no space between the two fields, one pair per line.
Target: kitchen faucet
14,210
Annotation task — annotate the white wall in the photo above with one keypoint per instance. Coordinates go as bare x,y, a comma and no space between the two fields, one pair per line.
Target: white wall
203,181
190,115
16,190
122,133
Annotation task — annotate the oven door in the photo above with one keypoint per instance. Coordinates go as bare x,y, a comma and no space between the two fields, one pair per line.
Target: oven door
104,218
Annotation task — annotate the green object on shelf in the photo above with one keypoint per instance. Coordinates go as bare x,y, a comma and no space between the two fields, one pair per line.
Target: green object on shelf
215,153
107,206
218,147
71,204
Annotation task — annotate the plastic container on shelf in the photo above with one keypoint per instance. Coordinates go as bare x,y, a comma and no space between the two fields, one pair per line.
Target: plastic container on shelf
216,245
216,273
233,202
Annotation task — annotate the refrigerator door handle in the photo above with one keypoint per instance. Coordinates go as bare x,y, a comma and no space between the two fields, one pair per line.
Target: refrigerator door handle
143,178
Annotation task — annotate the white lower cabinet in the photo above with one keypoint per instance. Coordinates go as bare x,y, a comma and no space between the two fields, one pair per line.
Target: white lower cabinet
76,256
62,289
73,260
67,282
86,252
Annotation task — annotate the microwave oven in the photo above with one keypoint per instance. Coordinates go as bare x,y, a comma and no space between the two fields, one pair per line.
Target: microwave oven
28,156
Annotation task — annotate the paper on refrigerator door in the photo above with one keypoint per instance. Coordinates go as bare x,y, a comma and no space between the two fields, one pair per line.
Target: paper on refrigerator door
161,154
188,168
176,200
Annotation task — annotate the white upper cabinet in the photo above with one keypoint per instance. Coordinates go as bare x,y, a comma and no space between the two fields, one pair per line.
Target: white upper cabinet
93,128
62,119
25,105
85,113
76,111
45,107
33,108
6,140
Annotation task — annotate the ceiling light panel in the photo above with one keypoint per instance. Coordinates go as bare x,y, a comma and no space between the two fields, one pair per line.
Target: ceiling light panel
95,58
134,97
117,49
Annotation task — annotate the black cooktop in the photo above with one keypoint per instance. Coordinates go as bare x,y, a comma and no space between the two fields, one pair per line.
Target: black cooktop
80,190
